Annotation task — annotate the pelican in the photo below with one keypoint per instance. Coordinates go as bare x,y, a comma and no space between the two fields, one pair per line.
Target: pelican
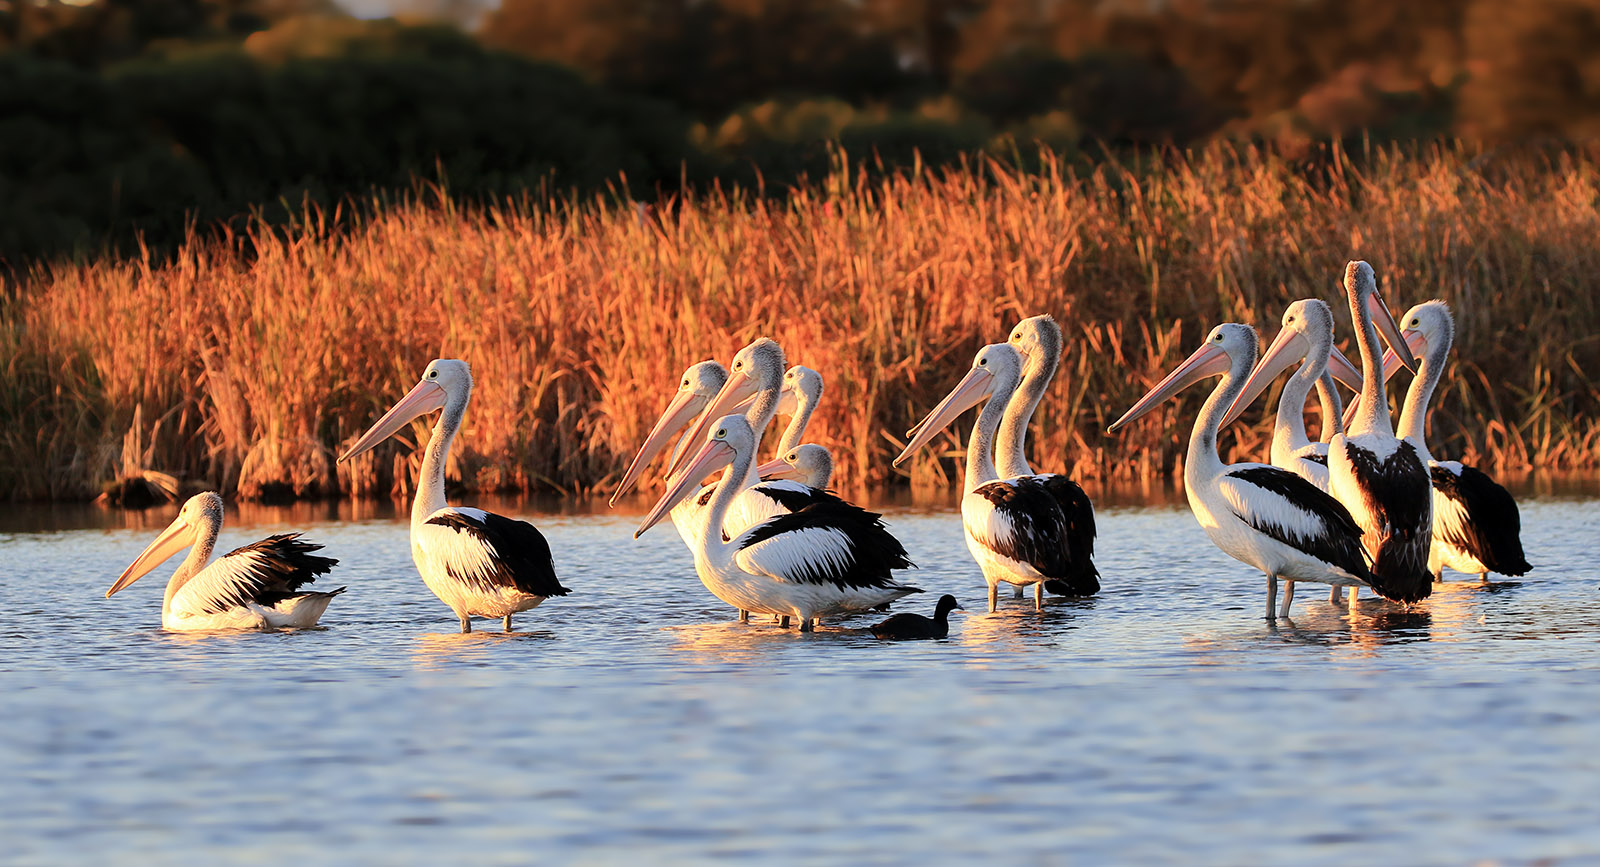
828,558
1476,525
478,563
1015,527
1383,480
809,464
1038,339
1307,334
254,587
1258,514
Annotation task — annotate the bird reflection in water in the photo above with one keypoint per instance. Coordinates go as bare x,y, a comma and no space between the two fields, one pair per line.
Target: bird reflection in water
1017,628
730,641
438,650
1364,627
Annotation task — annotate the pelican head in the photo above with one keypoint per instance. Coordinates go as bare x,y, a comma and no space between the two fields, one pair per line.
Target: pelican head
756,368
202,513
808,464
1307,332
699,383
1362,286
1425,327
800,383
1226,344
731,438
444,381
996,369
1037,337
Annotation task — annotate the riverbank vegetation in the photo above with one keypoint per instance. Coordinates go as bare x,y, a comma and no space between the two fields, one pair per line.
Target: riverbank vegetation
246,361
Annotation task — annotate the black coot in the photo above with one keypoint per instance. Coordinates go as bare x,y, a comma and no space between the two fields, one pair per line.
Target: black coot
903,626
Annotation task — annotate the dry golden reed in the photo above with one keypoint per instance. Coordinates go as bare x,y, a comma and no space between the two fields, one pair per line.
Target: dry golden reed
250,371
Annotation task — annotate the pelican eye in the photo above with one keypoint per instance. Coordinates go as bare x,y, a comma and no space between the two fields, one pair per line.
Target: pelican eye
1291,319
983,361
722,432
433,374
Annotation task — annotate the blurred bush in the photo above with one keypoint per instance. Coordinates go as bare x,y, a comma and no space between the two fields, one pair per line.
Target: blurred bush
314,109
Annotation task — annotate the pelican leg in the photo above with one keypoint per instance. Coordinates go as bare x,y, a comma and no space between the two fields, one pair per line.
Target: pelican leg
784,621
994,595
1335,594
807,625
744,616
466,623
1016,591
507,623
1272,597
1483,577
1288,597
1038,596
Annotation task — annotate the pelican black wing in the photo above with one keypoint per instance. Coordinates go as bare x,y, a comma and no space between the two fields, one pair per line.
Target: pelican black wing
1082,578
1398,491
519,555
1492,527
1325,530
830,541
265,572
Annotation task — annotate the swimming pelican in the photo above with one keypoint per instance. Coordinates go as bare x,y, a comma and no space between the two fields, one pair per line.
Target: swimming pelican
1382,479
1262,515
478,563
1476,525
809,464
254,587
1307,334
1038,338
1015,527
828,558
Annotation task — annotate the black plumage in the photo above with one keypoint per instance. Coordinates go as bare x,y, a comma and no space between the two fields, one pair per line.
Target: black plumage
911,626
1083,578
1045,516
1398,492
1492,531
871,554
275,569
1339,542
794,496
1316,458
521,556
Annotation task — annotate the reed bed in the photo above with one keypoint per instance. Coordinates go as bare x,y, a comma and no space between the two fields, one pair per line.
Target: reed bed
246,363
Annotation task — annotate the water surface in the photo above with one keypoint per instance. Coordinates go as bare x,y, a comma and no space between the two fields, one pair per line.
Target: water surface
1162,720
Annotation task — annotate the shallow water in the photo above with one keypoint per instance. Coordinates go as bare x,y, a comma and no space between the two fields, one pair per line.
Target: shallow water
635,719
